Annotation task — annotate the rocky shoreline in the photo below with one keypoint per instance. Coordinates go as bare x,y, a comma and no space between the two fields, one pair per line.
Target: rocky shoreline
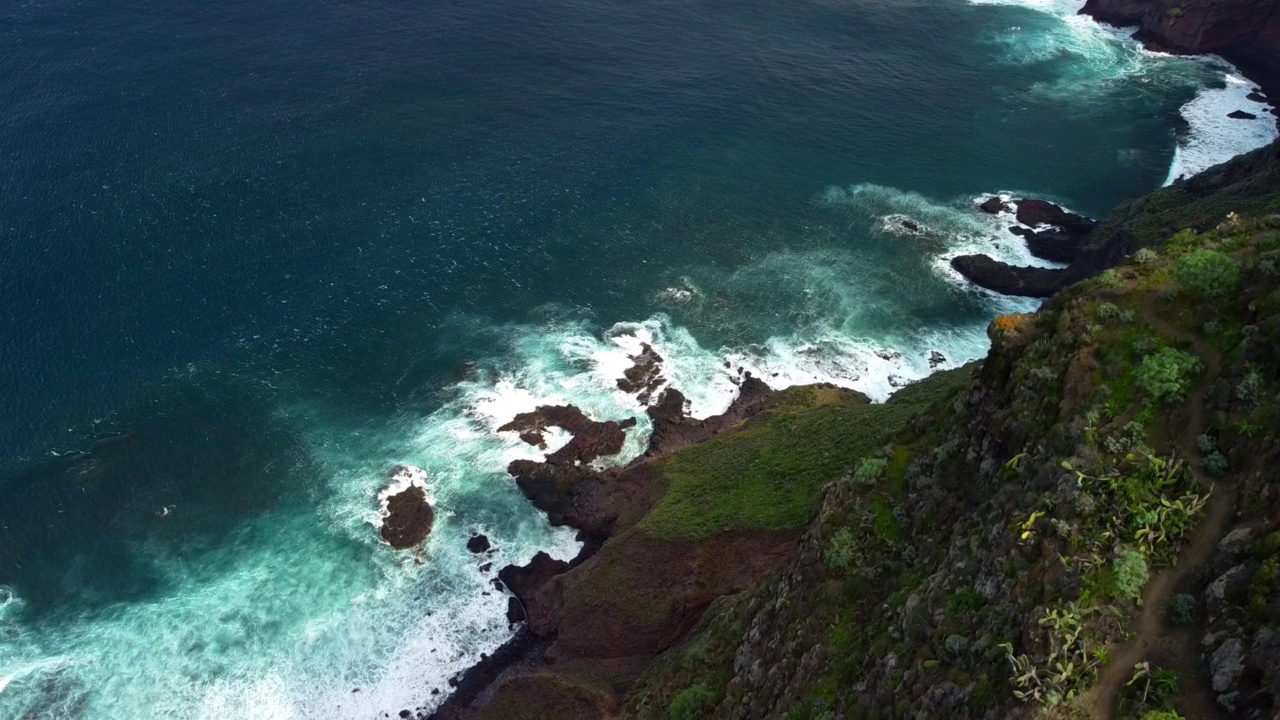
592,502
1245,33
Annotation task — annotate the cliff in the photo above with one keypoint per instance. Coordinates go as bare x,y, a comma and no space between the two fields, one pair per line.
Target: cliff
1248,184
1246,32
1085,524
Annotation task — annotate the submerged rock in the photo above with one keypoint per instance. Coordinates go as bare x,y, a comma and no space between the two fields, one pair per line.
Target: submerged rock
1241,115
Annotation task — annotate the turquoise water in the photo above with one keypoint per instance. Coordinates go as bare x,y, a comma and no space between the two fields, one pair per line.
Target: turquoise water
254,255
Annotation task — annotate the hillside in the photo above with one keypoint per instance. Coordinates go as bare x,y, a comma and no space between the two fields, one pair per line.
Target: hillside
1084,524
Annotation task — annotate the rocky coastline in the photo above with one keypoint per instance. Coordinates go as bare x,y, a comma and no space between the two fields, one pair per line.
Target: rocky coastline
593,502
1246,33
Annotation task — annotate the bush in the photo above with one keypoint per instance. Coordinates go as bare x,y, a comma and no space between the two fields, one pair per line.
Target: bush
1162,715
1211,273
1145,256
1131,573
1166,375
692,703
1206,444
1181,609
1216,463
869,471
1108,311
956,644
842,550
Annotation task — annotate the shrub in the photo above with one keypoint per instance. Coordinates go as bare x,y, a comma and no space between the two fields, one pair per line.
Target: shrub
1209,272
1216,463
1145,256
1131,573
1206,444
1162,715
1109,278
1166,375
692,703
1181,609
870,470
956,644
842,550
1249,389
1108,311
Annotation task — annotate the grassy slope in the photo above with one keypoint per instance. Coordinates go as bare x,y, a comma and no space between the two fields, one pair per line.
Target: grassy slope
769,474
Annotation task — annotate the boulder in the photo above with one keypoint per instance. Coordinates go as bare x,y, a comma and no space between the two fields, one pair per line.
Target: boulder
1241,115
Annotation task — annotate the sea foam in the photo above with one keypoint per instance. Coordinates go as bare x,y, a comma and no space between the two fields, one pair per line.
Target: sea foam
1108,56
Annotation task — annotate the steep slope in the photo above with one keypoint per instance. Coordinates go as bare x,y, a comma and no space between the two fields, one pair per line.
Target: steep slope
1085,524
1103,495
1247,32
1246,185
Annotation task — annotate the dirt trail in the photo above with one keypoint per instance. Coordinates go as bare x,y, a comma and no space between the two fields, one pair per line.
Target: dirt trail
1176,649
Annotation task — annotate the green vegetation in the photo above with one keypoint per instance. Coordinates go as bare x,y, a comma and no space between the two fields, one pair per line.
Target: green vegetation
1071,664
869,471
842,551
769,474
692,703
1131,573
1149,693
1167,374
1211,273
1181,609
1145,256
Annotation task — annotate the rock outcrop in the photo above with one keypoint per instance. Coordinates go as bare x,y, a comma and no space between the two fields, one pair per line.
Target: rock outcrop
644,377
1009,279
591,439
673,428
409,518
1248,184
1245,32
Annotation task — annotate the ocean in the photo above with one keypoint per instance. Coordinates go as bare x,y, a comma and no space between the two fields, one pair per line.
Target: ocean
255,254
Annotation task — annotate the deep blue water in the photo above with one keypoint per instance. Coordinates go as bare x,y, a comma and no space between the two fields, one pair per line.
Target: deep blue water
252,254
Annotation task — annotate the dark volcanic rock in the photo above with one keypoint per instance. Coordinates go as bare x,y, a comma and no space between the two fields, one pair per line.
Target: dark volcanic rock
644,376
1241,115
591,439
515,611
674,429
478,544
1054,245
992,205
1010,279
524,580
1245,32
1041,212
936,358
409,518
